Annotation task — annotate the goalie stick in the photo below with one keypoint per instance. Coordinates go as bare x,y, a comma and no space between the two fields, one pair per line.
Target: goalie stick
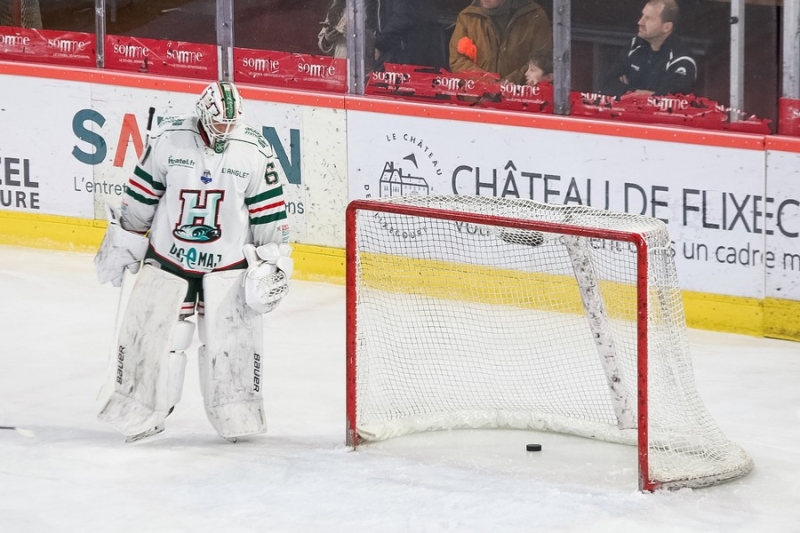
151,112
125,289
22,431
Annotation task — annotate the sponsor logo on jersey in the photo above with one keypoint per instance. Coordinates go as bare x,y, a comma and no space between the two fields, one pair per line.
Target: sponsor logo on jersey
180,162
262,142
236,172
194,259
206,177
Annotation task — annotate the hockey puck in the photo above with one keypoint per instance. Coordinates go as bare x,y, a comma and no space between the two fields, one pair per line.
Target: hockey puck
534,447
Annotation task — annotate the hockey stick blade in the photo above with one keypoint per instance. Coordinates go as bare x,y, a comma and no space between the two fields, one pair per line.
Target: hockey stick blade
22,431
145,434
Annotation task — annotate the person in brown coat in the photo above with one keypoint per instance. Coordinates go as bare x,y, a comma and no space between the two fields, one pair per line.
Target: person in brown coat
499,36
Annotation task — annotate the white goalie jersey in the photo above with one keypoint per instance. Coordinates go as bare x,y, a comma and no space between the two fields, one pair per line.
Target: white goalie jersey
209,204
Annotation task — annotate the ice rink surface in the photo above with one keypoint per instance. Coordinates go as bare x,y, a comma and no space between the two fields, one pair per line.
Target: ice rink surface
74,474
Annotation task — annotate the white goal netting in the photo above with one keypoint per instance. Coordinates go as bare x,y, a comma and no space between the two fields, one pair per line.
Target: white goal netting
462,318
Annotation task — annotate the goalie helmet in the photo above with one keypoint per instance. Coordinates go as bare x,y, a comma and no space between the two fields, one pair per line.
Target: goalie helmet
219,109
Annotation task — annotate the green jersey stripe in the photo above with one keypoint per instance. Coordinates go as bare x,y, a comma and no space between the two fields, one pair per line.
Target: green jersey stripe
272,193
149,179
139,198
268,218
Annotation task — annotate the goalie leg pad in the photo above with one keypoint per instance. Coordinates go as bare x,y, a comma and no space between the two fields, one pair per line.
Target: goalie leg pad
230,362
140,400
129,280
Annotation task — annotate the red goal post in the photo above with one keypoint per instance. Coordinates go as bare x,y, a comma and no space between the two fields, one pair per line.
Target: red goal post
483,312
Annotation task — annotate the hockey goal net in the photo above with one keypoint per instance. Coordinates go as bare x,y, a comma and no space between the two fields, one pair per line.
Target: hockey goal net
474,312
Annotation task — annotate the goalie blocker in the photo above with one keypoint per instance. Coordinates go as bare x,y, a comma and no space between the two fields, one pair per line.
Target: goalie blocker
150,368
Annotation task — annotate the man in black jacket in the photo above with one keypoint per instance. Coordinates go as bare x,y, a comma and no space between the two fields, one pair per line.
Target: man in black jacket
408,33
656,62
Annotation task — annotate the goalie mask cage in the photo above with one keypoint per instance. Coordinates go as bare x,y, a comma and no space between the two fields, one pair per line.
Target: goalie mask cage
474,312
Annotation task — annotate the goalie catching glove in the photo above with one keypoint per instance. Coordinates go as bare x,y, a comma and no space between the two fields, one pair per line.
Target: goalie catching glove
267,279
119,250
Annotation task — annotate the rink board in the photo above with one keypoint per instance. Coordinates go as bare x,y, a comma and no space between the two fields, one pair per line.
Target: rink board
731,201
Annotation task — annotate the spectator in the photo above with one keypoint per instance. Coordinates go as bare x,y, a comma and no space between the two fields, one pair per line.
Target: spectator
497,36
408,34
656,62
540,68
25,14
331,38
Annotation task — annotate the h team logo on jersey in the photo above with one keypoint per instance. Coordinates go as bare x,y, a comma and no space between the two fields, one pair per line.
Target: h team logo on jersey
199,218
206,177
